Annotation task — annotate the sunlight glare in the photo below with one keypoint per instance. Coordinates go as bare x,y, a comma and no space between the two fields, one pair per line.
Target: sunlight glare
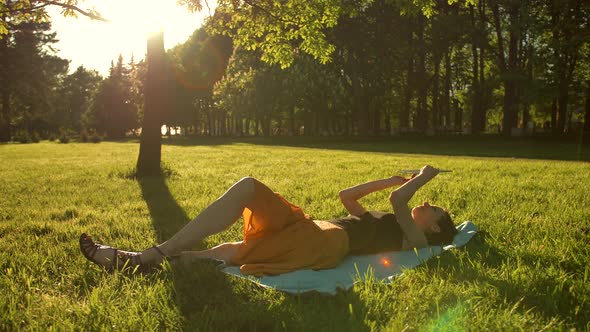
95,43
143,17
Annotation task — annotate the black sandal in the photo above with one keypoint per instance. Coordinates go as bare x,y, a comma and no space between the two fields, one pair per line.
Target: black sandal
89,248
121,260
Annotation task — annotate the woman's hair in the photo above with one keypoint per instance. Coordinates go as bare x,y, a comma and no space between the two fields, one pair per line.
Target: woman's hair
446,234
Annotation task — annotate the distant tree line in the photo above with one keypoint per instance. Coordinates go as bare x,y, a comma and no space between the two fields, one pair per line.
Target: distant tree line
39,99
485,66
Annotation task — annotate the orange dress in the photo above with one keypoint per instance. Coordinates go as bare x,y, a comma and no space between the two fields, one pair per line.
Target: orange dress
279,238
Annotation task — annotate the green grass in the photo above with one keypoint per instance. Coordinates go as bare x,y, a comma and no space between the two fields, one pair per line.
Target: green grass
527,270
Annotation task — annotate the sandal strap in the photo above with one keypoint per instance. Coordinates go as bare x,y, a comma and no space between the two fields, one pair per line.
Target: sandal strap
160,252
92,252
88,247
115,261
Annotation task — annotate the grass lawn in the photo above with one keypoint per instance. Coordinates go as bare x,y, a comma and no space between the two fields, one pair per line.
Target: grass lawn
527,270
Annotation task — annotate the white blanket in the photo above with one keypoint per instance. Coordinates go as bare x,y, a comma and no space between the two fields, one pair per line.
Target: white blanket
384,267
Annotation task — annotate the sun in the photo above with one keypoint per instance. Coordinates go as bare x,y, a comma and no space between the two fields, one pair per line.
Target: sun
139,18
95,44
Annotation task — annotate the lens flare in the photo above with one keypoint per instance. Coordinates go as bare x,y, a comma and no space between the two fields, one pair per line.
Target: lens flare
202,75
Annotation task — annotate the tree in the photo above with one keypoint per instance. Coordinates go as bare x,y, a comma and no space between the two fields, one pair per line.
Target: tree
76,93
478,47
113,110
567,37
23,22
29,77
199,64
508,65
157,99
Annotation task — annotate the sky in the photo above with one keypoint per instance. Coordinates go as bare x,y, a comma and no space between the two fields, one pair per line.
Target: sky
94,44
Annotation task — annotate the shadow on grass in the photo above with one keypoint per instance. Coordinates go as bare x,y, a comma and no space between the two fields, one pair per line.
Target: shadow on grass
167,216
210,300
549,297
213,301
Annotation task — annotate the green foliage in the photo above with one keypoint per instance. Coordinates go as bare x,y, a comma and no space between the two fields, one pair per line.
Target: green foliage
29,76
526,270
64,138
75,95
199,64
115,108
64,135
280,28
95,138
256,90
22,136
84,136
35,137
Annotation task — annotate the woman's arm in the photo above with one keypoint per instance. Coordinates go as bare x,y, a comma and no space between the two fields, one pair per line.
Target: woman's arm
350,196
399,199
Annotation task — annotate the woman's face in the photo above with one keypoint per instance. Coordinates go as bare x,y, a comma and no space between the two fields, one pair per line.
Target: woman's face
426,217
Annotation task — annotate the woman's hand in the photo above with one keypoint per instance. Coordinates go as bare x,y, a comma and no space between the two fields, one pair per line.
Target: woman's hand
399,180
403,194
429,171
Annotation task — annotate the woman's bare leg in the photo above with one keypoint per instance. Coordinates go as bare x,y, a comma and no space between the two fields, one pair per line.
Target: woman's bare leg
222,252
218,216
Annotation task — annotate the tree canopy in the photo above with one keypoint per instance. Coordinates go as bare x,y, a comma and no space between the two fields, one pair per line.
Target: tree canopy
294,67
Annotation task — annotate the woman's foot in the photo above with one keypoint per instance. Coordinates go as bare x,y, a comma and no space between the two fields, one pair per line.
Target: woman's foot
115,259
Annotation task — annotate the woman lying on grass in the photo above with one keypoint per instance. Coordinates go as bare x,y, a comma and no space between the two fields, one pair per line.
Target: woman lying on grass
279,237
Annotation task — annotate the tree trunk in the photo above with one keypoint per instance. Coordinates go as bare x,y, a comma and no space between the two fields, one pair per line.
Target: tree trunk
526,116
587,108
476,110
359,111
565,54
156,102
5,130
279,127
554,115
292,126
266,124
256,126
482,89
436,112
446,102
562,101
421,111
377,127
458,114
208,130
408,93
510,118
510,87
507,70
240,121
222,124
